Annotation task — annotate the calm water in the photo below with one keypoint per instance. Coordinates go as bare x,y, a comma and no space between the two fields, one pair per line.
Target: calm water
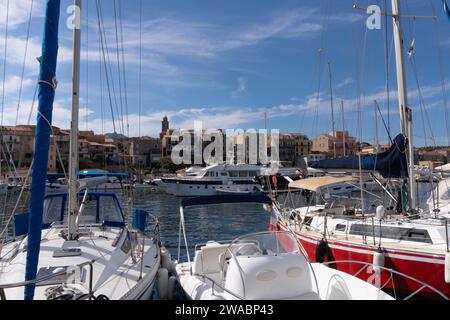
218,222
203,223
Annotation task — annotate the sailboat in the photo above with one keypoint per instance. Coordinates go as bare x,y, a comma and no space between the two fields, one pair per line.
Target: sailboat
360,240
69,251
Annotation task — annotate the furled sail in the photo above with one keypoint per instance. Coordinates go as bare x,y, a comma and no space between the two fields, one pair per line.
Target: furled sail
390,164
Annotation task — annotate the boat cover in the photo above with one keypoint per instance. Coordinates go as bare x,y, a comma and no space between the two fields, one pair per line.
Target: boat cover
390,164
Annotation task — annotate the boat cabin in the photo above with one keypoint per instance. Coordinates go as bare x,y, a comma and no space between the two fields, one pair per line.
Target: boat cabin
99,207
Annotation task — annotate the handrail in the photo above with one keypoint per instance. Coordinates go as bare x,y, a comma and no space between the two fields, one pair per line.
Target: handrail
214,283
424,285
46,278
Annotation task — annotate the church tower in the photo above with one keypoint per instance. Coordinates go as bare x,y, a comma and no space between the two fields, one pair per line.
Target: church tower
164,132
164,125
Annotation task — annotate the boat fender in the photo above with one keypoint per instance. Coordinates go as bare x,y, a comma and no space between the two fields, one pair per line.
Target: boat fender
166,258
171,287
378,260
293,215
380,212
447,267
321,251
162,283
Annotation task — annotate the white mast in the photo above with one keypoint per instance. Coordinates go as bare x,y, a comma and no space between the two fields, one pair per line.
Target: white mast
405,111
74,156
332,110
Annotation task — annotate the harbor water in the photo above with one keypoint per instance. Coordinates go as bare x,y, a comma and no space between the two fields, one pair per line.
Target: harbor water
218,222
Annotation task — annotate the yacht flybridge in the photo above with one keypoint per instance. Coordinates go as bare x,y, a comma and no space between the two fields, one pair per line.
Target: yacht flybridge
213,180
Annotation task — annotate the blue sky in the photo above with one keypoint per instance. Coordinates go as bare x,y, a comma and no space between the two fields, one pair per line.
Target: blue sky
228,62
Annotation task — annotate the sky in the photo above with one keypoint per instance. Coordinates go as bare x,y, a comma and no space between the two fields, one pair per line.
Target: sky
227,63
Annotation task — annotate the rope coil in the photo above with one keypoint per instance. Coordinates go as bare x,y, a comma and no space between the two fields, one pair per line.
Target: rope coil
53,84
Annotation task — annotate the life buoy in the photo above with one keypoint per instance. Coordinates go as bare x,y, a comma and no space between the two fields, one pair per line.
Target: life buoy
321,251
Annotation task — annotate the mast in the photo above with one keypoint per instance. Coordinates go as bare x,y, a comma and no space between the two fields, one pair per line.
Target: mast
74,156
46,94
332,110
343,126
405,111
377,144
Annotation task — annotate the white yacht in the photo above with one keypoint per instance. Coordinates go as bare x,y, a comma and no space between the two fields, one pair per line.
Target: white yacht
213,180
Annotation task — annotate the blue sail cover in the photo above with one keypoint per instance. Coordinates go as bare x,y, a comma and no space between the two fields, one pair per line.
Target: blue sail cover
390,164
226,199
46,96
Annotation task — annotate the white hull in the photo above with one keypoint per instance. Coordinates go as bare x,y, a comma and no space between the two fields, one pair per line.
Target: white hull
116,274
333,285
193,190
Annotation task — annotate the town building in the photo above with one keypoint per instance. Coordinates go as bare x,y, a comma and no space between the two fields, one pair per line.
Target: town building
143,152
341,141
293,146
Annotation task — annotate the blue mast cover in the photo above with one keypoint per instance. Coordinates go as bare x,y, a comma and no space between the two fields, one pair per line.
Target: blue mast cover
390,164
46,96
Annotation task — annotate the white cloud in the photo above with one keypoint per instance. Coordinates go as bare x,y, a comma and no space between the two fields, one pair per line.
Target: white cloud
169,36
16,51
345,83
241,87
19,12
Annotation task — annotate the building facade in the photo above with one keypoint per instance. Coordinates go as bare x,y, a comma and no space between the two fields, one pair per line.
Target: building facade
339,141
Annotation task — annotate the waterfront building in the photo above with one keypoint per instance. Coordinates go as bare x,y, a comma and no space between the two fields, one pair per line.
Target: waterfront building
335,140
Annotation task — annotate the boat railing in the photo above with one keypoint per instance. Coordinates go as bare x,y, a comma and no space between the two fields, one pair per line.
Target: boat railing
215,284
378,270
199,245
89,295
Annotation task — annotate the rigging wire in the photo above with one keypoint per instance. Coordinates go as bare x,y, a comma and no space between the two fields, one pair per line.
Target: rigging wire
107,59
24,60
87,68
411,54
441,73
101,43
119,70
5,58
140,65
321,66
387,64
125,88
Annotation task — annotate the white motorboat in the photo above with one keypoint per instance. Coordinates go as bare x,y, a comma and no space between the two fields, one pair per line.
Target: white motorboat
262,266
212,180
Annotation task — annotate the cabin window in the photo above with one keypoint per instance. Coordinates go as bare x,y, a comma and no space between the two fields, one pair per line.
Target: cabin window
234,174
446,195
253,173
243,174
340,227
397,233
224,174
